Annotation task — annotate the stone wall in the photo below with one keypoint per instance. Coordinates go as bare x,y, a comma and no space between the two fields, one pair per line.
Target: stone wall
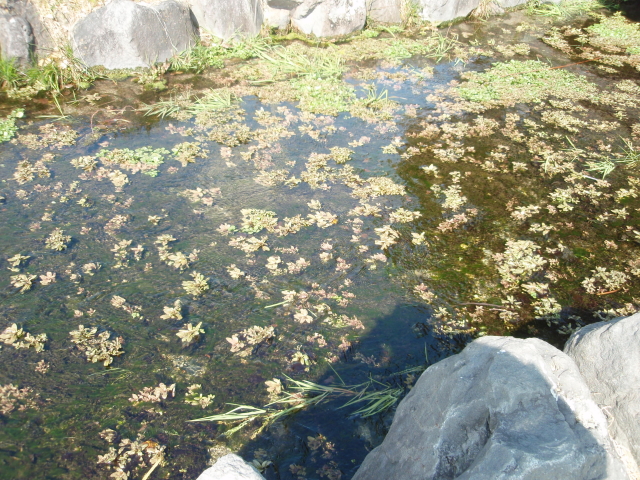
47,27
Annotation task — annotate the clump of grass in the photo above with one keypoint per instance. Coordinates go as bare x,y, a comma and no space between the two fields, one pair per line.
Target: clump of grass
436,46
201,57
629,157
320,64
375,99
198,58
565,9
184,106
69,72
410,13
213,100
10,76
304,394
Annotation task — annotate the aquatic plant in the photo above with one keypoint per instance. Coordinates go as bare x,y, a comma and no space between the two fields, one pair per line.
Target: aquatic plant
57,240
154,394
253,220
189,334
173,313
234,272
16,261
340,155
8,127
96,346
518,262
85,163
18,338
187,152
248,340
603,281
12,398
130,456
528,81
303,394
613,31
197,286
23,281
26,171
195,397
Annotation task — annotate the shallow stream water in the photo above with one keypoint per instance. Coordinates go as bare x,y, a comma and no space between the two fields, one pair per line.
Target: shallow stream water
346,301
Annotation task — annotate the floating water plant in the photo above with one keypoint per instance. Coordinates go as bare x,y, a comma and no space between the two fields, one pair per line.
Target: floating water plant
96,346
24,282
527,81
14,398
8,126
154,394
16,261
18,338
197,286
173,313
189,334
194,396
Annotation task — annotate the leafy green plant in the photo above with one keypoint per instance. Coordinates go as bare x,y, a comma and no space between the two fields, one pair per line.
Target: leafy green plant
398,50
523,81
8,126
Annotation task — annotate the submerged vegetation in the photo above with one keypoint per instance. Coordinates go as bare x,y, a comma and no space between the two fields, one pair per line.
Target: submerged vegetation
311,221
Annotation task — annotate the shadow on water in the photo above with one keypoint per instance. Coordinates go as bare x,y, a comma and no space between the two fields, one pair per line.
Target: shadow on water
318,436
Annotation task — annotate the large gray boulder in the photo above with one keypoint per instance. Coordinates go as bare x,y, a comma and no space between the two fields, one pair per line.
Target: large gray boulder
231,467
504,408
42,42
227,19
516,3
16,39
277,13
124,34
385,11
444,10
608,356
329,18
